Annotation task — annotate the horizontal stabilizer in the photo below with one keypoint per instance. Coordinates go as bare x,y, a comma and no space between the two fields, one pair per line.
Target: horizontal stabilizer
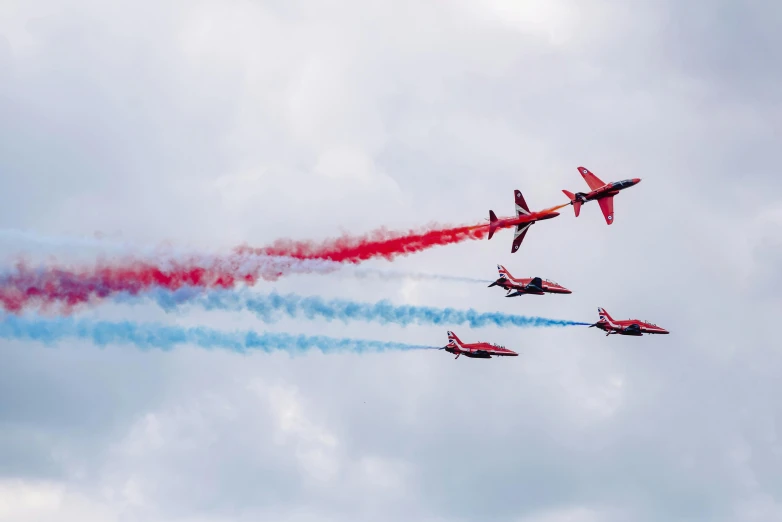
574,201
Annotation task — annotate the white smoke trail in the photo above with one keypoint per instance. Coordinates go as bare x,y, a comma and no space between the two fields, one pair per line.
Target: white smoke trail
167,256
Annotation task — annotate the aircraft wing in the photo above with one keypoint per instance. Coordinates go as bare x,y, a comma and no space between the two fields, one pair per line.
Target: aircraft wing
521,231
536,283
633,329
593,181
521,205
607,206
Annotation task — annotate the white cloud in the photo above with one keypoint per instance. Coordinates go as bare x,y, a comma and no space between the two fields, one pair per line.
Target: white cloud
313,445
25,501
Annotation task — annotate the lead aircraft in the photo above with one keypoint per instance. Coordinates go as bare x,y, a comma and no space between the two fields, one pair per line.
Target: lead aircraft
626,326
524,218
603,192
475,350
526,285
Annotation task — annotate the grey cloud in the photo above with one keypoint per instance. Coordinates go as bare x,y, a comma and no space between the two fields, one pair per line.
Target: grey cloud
216,124
732,46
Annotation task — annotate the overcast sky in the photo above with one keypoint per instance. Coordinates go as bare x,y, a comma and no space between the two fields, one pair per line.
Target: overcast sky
207,124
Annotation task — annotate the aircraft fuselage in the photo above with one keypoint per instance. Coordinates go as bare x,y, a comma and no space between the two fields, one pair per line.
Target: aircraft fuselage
530,218
475,350
606,191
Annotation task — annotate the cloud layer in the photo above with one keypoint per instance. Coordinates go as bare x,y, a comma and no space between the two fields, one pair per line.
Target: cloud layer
209,125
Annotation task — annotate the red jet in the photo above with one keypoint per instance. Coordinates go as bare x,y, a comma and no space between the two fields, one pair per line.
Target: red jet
627,326
524,218
533,285
603,192
475,350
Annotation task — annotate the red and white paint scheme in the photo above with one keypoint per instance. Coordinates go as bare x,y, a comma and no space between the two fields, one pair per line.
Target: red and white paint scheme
475,350
603,192
626,326
526,285
524,218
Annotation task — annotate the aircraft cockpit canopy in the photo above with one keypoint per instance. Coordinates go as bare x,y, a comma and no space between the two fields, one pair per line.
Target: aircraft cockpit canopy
623,183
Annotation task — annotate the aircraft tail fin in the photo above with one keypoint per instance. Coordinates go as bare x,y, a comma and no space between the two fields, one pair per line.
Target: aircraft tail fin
504,272
492,223
452,339
574,201
603,314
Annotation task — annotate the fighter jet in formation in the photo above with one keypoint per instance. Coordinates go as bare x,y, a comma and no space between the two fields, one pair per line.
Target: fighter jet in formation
626,326
524,218
475,350
533,285
603,192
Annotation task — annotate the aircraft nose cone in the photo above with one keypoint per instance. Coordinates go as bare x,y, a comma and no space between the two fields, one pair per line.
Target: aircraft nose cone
636,181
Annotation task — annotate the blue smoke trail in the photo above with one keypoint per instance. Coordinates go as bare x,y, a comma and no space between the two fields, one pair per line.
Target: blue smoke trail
165,337
270,307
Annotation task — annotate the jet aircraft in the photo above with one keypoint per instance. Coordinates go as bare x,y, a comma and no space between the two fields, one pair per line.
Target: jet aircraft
603,192
475,350
524,218
527,285
626,326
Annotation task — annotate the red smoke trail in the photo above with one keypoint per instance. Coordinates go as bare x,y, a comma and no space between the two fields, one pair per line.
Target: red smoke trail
47,287
380,243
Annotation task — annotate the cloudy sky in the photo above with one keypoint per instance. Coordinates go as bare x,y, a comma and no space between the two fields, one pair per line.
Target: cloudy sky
207,124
